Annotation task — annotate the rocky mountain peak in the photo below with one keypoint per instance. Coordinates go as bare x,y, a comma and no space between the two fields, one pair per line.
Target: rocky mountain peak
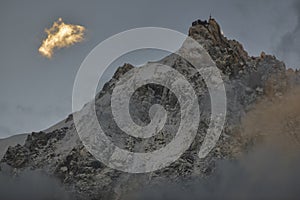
247,80
223,51
208,30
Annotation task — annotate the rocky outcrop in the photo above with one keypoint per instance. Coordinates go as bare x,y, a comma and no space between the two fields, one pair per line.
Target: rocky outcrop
247,79
11,141
229,55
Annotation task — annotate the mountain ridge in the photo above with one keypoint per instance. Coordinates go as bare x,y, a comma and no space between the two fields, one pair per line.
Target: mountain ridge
247,80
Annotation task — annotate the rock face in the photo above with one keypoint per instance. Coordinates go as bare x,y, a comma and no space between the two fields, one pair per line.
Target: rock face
11,141
247,79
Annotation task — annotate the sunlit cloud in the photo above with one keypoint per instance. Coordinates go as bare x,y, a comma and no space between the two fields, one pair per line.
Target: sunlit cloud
61,35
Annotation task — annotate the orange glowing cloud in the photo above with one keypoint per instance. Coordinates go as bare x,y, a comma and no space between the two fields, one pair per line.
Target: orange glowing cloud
61,35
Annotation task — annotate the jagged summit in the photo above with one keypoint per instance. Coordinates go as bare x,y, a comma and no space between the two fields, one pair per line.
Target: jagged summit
213,28
210,36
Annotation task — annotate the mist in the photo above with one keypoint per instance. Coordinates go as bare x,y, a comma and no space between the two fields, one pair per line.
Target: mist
30,185
264,173
268,168
288,48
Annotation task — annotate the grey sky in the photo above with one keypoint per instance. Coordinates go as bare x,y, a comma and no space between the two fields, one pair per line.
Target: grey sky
36,92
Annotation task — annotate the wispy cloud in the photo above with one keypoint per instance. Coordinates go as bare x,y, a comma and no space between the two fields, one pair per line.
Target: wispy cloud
288,48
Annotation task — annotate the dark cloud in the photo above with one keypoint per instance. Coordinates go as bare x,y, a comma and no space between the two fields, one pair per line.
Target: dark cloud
288,48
